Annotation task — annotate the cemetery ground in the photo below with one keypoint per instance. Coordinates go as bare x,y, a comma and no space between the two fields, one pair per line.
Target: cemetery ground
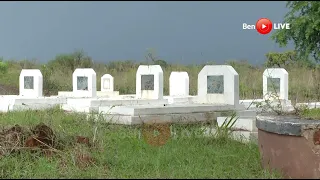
88,149
82,148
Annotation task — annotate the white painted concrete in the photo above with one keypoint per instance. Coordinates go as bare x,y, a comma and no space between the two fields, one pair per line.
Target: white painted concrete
36,86
18,103
99,94
135,110
180,99
91,90
157,92
230,94
284,83
179,84
107,83
243,123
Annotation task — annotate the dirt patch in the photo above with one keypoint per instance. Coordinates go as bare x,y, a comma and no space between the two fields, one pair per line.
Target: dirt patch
316,138
41,138
161,139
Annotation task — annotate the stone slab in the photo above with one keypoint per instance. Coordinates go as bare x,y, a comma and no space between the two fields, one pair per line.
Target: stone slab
194,117
285,125
94,102
164,118
24,103
168,109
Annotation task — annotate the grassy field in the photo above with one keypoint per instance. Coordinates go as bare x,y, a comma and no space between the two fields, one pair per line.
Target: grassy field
304,81
122,152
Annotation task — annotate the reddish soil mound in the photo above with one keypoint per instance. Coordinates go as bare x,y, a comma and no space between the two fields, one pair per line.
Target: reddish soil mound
41,138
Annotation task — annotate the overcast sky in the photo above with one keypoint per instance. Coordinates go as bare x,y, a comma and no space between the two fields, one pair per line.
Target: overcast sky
179,32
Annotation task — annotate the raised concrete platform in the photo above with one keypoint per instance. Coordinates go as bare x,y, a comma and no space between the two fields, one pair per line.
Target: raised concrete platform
179,99
92,104
186,113
99,94
261,105
19,103
165,109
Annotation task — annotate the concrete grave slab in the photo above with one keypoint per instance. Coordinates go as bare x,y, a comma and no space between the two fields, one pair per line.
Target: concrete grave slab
161,110
84,82
218,84
18,103
93,104
149,82
179,84
179,99
171,114
31,83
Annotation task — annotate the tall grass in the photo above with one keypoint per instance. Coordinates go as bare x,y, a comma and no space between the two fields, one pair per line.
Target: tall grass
304,81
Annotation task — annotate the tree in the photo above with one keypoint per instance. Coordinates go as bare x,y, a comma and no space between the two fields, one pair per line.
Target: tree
304,19
280,59
151,56
71,61
161,62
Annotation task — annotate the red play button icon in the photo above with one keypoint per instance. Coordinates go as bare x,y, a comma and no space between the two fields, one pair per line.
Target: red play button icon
264,26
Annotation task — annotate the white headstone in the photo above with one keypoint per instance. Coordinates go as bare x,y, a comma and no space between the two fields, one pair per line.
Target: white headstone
107,83
149,82
84,83
275,84
218,84
31,83
179,84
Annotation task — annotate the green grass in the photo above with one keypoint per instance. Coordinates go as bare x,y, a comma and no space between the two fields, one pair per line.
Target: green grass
121,152
313,114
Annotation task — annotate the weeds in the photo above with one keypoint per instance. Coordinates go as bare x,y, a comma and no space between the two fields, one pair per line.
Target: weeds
121,152
225,130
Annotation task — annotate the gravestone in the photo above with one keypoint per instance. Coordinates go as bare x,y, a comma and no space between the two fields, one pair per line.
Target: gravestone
275,83
179,84
107,83
218,84
84,82
149,82
30,83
